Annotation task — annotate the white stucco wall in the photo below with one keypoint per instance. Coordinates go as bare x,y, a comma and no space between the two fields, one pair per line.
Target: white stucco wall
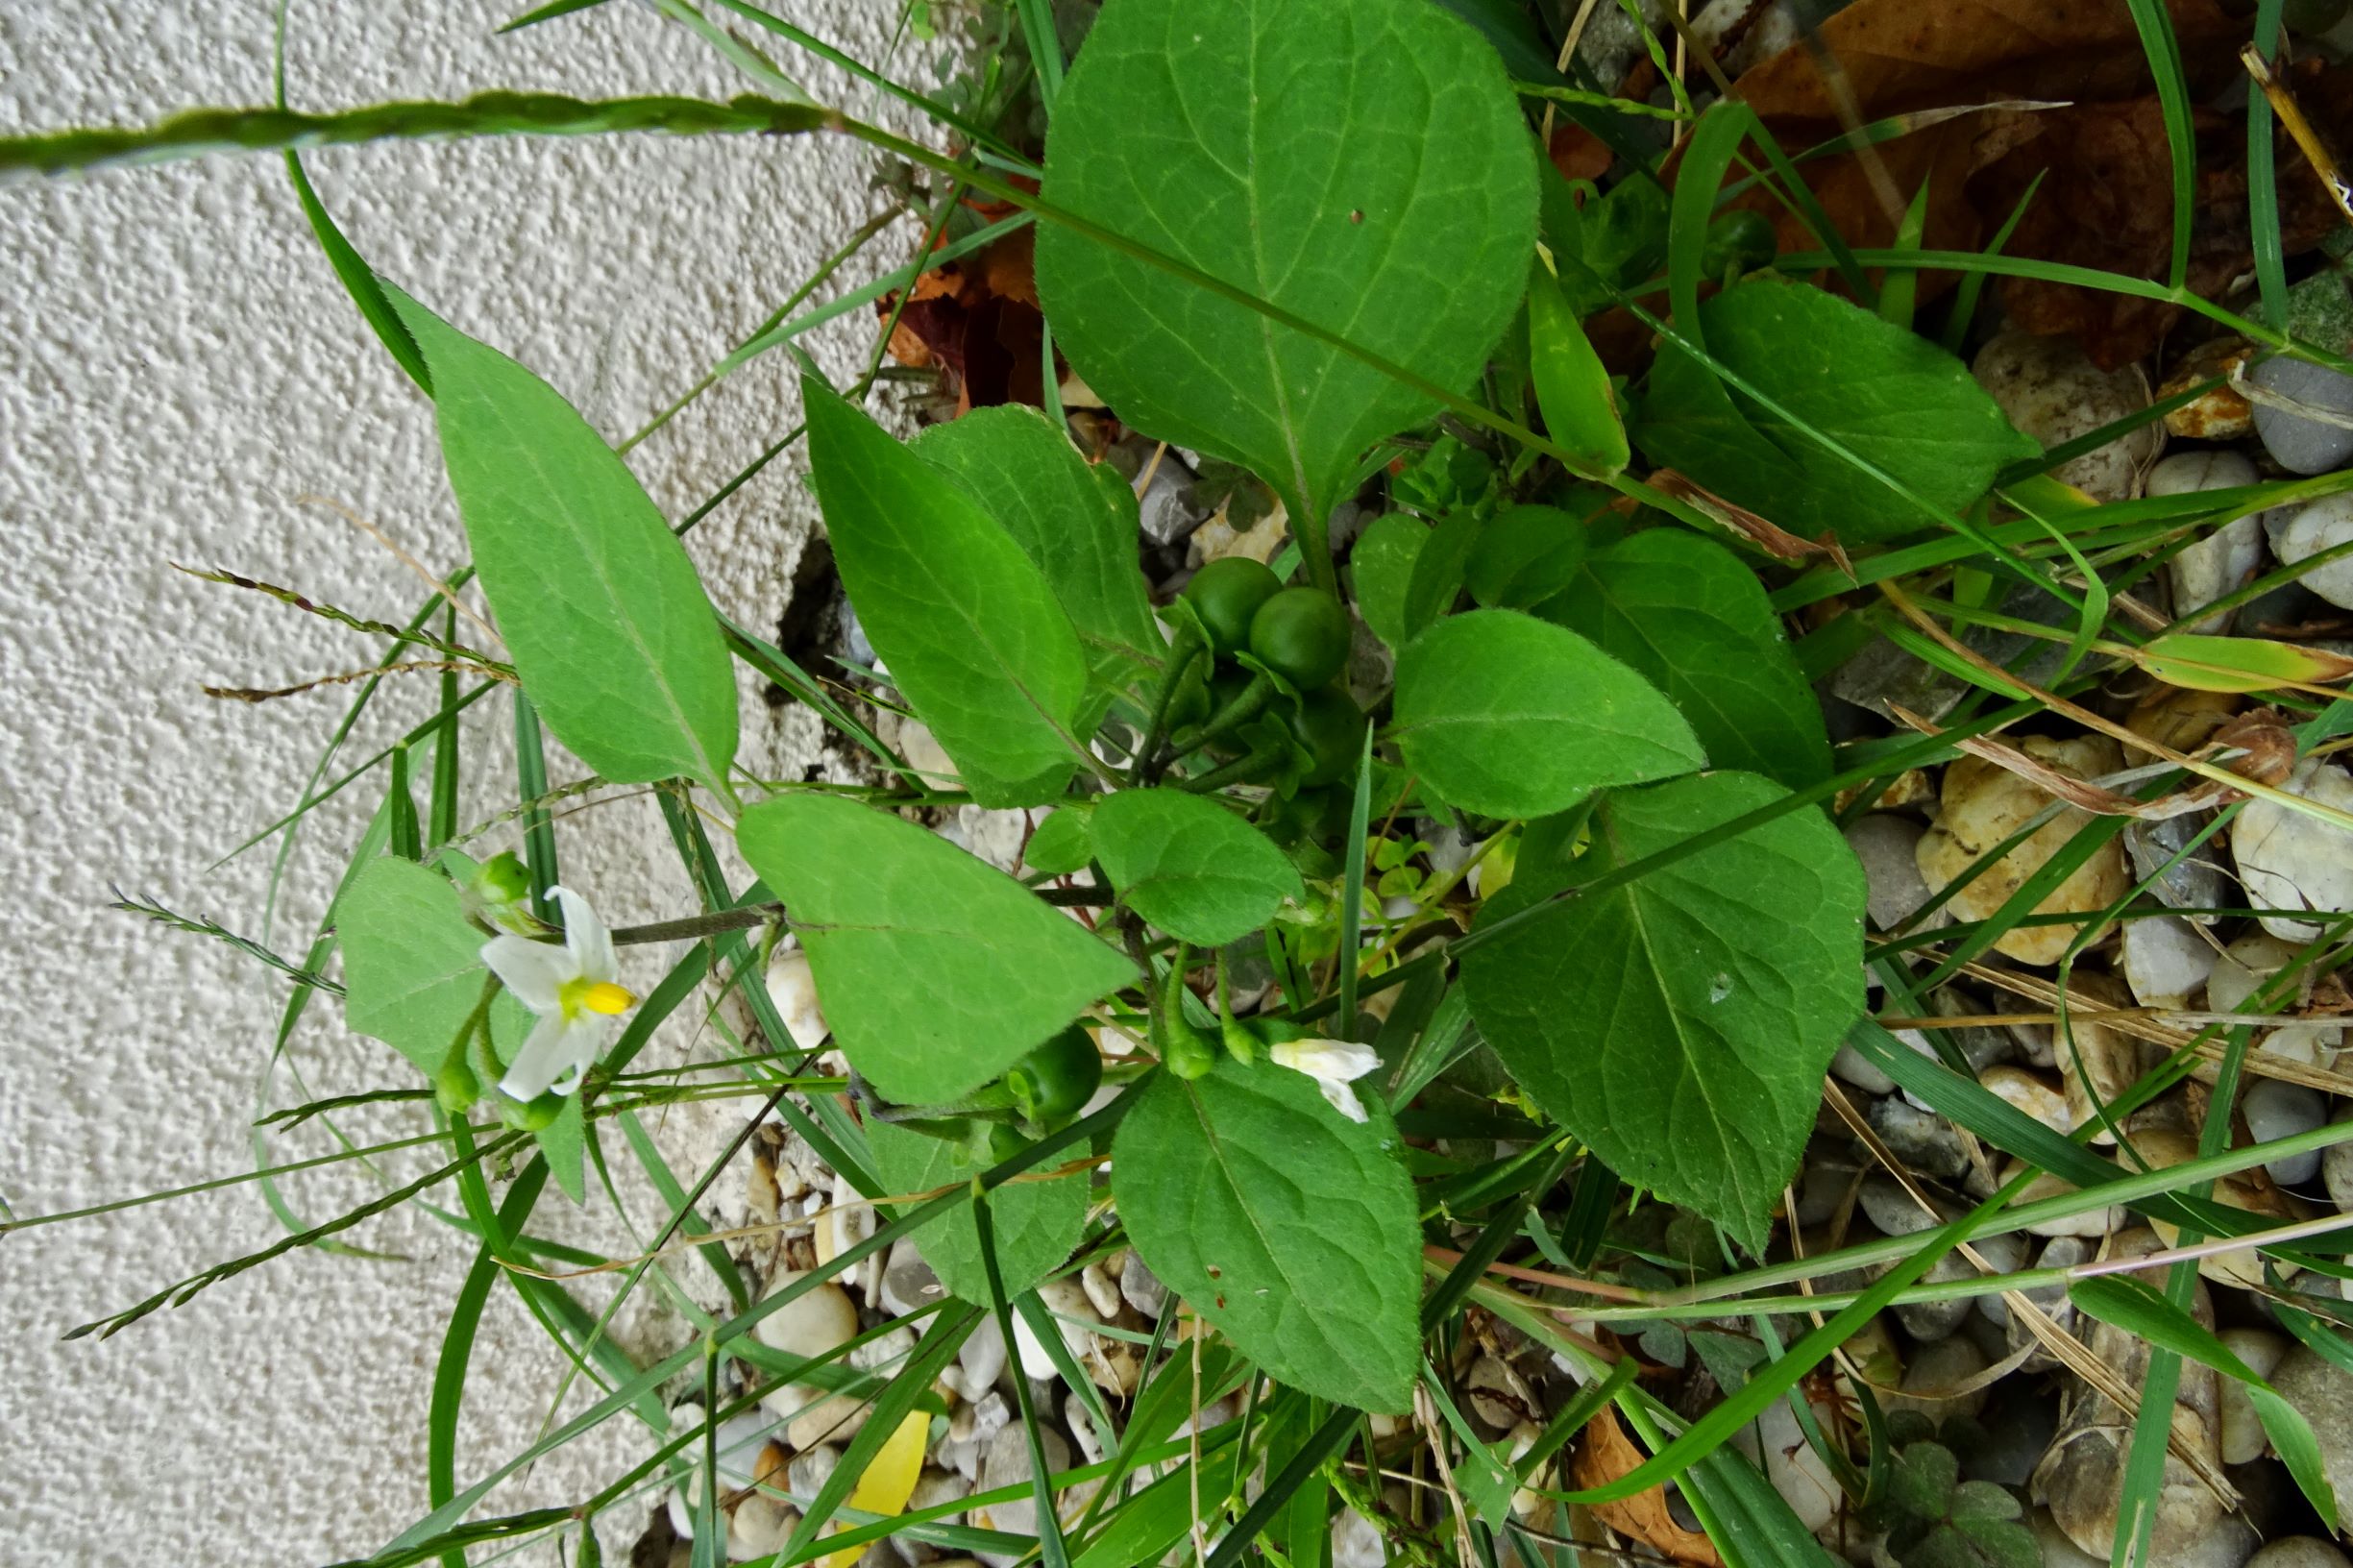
177,366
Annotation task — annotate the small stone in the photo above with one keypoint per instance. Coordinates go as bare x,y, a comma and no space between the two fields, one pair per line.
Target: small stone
2096,1221
831,1418
1063,1299
821,1319
1498,1395
2299,1551
1888,845
811,1468
1983,805
908,1284
793,987
2030,1092
2299,534
2051,390
2164,1148
2166,961
2275,1109
2224,560
1931,1382
2242,1435
1922,1139
2058,1552
2192,881
982,1359
2049,1301
2245,966
2298,443
2082,1477
2018,1421
2337,1168
2098,1064
1357,1542
1790,1463
1144,1292
2324,1395
1008,1464
2289,861
1102,1290
1167,511
1850,1066
2219,413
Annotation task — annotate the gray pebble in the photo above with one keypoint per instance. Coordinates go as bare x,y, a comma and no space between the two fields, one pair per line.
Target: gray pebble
2274,1110
2300,444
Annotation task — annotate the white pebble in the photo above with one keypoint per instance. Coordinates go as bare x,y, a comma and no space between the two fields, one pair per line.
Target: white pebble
2290,860
2166,961
2308,531
2224,559
2242,1434
793,987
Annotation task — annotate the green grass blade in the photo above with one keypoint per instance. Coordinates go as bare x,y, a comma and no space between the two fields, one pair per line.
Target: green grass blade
2164,51
457,1348
198,132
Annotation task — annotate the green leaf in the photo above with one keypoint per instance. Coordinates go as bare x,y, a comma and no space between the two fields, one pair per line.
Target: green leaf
1681,1024
937,970
1191,867
1034,1224
1380,566
964,619
608,624
1360,163
1508,716
1580,409
1288,1227
1524,557
1894,399
1690,618
1439,567
565,1142
1062,843
2135,1307
2237,664
1075,519
412,966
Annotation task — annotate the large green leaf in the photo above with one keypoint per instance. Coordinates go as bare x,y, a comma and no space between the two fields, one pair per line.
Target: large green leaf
412,966
1581,407
1190,866
595,598
1680,1024
1509,716
1686,612
963,619
937,970
1034,1224
1361,163
1890,397
1077,521
1288,1226
1381,571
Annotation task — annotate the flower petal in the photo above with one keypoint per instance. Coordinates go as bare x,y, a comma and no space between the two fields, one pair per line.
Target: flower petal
555,1049
1327,1061
535,971
1342,1099
591,945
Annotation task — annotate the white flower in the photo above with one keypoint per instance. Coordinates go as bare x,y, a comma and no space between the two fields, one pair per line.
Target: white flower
572,991
1334,1064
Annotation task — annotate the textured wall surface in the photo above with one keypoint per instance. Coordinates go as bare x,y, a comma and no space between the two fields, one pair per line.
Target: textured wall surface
179,375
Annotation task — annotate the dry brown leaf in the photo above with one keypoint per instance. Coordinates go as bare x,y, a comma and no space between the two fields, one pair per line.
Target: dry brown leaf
1603,1454
2269,748
2095,133
1766,535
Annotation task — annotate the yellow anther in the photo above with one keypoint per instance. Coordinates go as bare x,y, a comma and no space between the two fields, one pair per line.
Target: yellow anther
608,998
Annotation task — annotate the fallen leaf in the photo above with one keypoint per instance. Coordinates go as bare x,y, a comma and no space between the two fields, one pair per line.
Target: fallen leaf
1766,535
888,1480
1603,1454
2061,89
2265,738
